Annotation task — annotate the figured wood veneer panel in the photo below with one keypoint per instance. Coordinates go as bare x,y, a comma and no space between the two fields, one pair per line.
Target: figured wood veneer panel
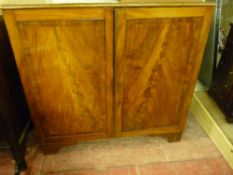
67,70
157,73
158,57
64,65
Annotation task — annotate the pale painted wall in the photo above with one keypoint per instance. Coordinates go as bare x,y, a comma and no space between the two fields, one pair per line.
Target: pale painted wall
2,1
24,1
227,14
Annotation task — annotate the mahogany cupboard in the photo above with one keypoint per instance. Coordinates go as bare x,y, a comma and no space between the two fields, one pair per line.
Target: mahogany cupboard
96,72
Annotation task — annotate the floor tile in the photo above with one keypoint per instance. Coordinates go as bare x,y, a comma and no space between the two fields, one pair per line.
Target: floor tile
190,149
194,154
75,173
78,159
157,169
215,166
122,171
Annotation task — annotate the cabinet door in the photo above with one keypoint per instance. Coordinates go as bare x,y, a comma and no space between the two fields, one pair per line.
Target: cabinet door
158,55
65,61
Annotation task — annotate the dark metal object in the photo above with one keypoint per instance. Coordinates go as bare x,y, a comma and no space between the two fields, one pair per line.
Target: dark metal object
16,148
222,87
14,113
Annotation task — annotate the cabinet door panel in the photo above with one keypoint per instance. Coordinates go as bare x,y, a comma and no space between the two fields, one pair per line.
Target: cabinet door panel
65,64
159,51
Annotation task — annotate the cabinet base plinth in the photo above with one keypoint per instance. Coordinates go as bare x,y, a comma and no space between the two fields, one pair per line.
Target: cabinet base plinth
174,137
53,148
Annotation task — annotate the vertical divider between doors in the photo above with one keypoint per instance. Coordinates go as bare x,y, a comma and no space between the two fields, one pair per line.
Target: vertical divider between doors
115,73
109,50
120,24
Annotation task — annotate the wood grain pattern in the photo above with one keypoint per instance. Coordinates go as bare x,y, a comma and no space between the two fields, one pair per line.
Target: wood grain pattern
58,14
157,63
164,12
66,68
65,59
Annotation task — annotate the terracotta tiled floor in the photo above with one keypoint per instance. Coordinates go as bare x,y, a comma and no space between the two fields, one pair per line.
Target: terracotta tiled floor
195,154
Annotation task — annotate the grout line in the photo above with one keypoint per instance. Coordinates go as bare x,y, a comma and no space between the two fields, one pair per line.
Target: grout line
42,165
181,161
166,156
137,170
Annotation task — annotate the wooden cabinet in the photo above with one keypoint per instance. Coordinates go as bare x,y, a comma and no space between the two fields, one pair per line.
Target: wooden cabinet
109,71
158,55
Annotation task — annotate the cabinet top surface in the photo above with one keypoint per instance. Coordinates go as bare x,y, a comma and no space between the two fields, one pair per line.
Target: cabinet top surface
15,4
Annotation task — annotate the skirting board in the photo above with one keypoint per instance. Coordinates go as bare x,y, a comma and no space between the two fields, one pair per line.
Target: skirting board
203,108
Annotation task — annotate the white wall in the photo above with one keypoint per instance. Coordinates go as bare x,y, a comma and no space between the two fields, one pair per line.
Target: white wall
22,1
227,15
2,1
